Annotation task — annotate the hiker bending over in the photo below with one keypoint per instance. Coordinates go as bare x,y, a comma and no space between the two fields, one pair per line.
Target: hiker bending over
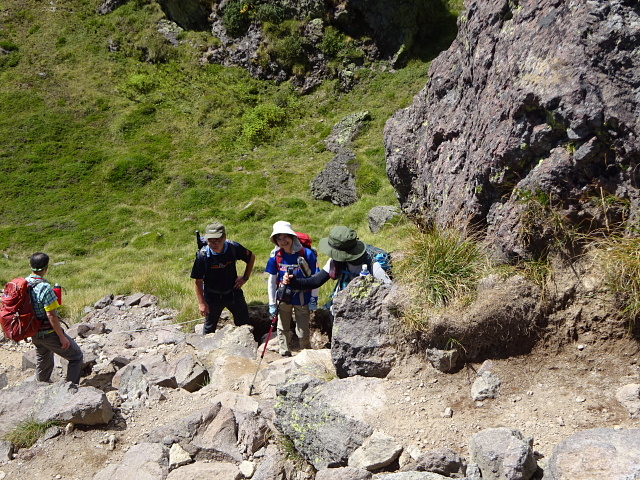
218,285
51,338
347,256
288,252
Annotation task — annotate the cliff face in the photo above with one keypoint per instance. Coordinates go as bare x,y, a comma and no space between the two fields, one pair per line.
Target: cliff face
535,102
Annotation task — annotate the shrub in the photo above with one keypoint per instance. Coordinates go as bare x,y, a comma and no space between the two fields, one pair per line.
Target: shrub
236,18
259,123
441,266
619,258
268,12
134,170
333,42
27,432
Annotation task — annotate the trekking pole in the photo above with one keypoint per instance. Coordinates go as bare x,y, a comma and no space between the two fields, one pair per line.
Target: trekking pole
274,324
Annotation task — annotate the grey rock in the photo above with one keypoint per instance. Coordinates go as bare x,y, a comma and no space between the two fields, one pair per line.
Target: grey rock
379,216
6,451
444,461
133,299
376,452
613,454
144,461
336,183
343,473
629,397
364,341
486,386
444,360
103,302
328,421
409,476
345,131
503,454
61,401
229,339
184,429
272,466
189,373
218,440
210,471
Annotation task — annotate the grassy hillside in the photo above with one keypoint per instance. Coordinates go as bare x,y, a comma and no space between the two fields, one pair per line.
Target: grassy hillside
115,146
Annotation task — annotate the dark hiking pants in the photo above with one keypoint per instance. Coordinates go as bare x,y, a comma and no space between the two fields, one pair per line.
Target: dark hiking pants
233,301
48,344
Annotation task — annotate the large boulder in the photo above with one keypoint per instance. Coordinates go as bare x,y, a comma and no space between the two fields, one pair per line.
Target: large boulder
597,453
61,402
503,454
328,421
336,183
533,108
364,338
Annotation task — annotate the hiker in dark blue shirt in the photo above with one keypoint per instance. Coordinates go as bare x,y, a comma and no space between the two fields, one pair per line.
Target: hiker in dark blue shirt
218,285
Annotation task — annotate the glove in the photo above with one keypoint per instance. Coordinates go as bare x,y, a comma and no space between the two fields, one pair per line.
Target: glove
272,309
313,303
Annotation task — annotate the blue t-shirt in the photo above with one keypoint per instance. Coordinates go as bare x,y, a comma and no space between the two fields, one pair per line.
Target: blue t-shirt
291,259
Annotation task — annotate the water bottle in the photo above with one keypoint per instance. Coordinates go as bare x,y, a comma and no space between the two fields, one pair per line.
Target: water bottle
57,289
365,270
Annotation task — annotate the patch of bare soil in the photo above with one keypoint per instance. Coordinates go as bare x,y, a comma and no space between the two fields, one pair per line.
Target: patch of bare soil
548,395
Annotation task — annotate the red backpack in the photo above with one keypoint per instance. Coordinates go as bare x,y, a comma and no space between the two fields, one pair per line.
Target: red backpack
18,319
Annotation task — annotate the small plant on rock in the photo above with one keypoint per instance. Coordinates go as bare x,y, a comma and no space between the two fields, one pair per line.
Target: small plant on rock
27,432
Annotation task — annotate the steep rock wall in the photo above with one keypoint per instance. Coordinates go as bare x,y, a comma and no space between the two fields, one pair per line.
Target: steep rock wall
536,100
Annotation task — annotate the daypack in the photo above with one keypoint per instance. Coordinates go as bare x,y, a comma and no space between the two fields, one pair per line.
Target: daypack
382,257
17,316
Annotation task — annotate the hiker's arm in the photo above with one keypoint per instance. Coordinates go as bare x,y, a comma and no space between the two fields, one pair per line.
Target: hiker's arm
204,308
55,324
240,281
309,283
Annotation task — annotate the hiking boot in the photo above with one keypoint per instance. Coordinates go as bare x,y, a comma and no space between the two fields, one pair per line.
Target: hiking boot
285,353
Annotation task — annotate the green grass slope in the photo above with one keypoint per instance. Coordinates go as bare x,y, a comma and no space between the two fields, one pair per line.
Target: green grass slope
115,146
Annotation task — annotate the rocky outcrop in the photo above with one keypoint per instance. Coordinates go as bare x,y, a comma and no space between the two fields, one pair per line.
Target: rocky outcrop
377,30
365,333
532,110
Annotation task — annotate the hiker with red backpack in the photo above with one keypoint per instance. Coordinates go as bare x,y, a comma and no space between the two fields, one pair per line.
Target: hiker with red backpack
291,256
50,338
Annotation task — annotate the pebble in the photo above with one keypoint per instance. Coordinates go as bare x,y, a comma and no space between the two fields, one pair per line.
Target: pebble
580,399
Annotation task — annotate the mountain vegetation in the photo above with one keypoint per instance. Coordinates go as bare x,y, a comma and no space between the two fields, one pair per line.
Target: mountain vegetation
117,144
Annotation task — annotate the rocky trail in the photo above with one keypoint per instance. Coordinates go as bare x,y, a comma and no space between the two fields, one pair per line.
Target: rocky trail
548,395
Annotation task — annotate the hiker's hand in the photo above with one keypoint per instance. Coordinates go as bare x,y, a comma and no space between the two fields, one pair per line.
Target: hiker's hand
272,309
204,309
286,278
240,281
64,341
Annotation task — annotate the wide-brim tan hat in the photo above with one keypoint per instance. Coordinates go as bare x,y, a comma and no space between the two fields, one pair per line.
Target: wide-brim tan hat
280,228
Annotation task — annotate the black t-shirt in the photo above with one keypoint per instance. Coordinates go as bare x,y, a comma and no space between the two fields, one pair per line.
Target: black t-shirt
219,270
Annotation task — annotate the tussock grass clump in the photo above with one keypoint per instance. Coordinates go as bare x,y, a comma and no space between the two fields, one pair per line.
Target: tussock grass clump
438,267
27,432
620,261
